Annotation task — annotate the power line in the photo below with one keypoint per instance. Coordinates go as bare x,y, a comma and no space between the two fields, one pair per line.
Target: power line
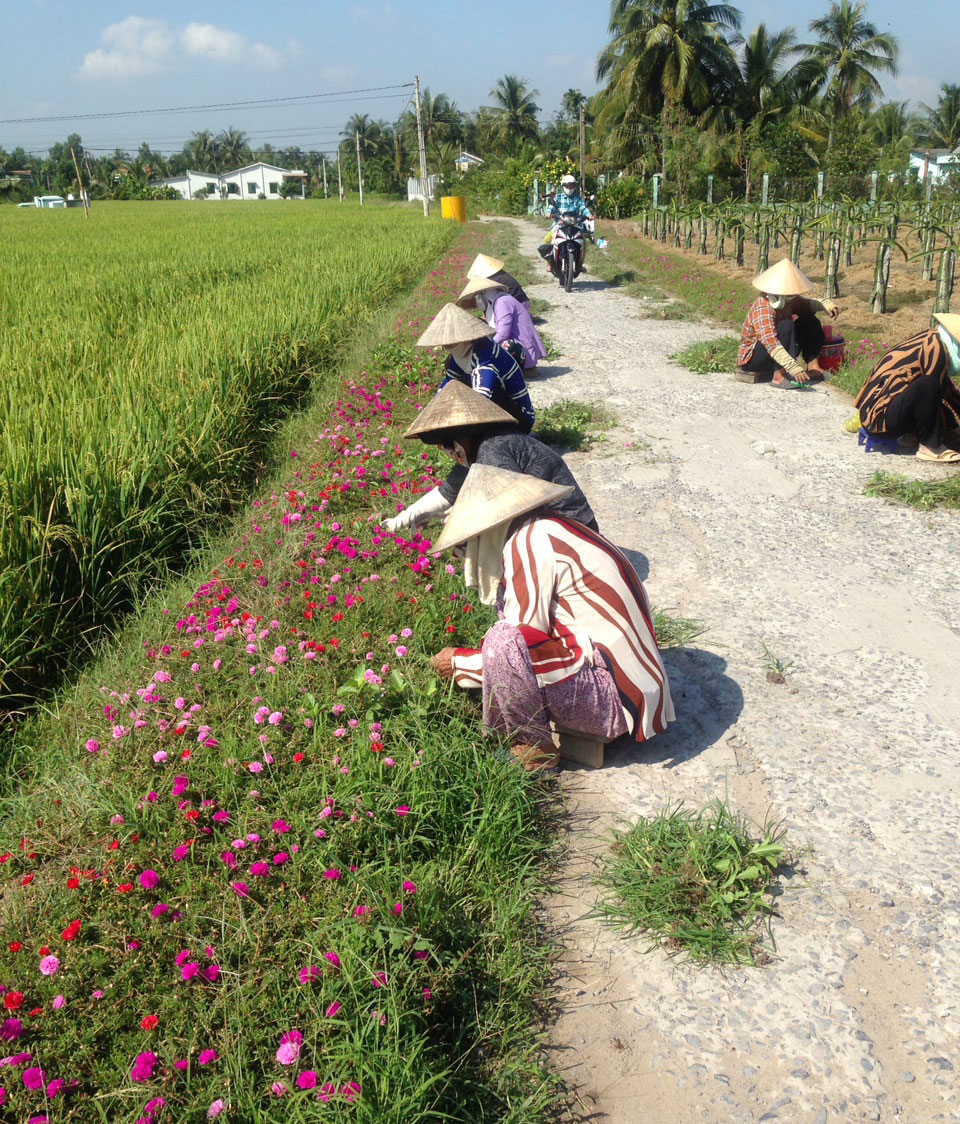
259,103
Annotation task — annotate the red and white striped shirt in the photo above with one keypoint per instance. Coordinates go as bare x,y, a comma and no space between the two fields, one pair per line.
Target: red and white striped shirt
571,592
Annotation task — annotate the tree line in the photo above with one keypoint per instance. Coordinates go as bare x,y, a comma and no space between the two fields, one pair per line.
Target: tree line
684,94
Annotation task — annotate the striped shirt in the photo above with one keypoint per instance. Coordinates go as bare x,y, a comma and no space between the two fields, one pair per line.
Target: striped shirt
571,593
922,354
497,375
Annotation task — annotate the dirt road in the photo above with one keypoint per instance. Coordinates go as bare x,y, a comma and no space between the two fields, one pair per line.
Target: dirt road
746,505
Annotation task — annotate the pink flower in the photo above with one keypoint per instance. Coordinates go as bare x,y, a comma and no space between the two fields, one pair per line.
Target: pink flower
289,1052
307,1079
49,966
34,1078
409,887
332,875
333,1009
379,979
241,889
333,959
215,1109
54,1087
280,858
92,745
143,1067
208,1056
58,1002
281,827
259,870
211,973
309,974
278,1089
326,1092
149,879
403,810
189,970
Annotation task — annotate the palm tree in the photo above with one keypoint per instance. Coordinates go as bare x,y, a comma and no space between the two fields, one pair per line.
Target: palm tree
665,54
371,133
848,51
234,147
515,111
204,154
571,102
942,126
765,80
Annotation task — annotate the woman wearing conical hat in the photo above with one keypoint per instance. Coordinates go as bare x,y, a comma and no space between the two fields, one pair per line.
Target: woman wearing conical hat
781,335
911,391
474,430
492,268
478,362
575,642
512,323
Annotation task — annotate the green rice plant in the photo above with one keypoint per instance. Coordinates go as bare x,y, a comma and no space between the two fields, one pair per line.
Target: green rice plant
676,632
710,356
696,882
148,355
571,424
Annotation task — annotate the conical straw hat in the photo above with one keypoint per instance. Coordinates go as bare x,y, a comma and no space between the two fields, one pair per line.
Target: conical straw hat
478,285
783,280
951,321
483,266
453,325
457,407
494,495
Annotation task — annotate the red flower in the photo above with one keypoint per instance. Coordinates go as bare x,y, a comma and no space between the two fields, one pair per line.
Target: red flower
298,757
125,888
15,946
28,880
150,1022
114,845
72,931
73,883
35,1012
45,951
13,1000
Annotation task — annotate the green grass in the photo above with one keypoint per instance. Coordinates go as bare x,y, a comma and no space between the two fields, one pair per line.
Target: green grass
501,239
676,632
697,883
710,356
571,425
553,352
925,495
280,613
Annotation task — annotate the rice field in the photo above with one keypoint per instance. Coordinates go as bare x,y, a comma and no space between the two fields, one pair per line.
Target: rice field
148,353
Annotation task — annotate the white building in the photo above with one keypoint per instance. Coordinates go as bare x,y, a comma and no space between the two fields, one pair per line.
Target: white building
417,188
466,160
934,162
253,181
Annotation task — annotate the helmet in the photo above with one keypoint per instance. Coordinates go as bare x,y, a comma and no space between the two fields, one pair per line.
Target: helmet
568,180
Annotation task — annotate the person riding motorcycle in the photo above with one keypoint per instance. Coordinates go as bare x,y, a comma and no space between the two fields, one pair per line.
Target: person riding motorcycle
568,203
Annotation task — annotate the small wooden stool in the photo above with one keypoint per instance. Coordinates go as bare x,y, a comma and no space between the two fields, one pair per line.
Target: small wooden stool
580,748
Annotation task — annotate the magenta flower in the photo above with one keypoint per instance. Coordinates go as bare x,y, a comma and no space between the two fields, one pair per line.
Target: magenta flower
208,1056
54,1087
241,889
281,827
289,1052
259,870
10,1030
211,973
143,1067
149,879
34,1078
49,966
409,887
331,875
403,810
278,1089
215,1109
309,974
307,1079
333,959
332,1010
189,970
280,858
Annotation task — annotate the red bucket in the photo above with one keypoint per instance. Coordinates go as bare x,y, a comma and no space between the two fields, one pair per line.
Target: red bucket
833,350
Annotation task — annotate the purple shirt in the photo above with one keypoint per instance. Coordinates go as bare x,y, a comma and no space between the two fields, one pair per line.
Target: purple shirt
514,322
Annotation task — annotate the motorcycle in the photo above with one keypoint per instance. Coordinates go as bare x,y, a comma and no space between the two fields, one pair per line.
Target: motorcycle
567,250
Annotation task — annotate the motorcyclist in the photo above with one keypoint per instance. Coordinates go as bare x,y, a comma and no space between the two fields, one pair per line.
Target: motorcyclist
567,203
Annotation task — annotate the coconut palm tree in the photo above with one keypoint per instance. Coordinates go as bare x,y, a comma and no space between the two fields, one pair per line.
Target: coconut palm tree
942,125
848,51
665,54
515,111
204,153
765,84
571,102
234,147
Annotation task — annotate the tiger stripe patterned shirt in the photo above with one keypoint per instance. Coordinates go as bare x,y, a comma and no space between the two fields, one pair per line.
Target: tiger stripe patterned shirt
921,354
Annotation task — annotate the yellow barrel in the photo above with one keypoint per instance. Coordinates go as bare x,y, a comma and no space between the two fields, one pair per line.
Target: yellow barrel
453,207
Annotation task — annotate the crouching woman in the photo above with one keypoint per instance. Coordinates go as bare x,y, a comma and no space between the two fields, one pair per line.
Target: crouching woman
575,643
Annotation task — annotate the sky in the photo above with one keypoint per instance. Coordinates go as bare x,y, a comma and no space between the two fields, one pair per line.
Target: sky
63,58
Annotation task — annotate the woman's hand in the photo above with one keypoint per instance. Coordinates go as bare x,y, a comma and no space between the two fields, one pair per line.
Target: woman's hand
442,663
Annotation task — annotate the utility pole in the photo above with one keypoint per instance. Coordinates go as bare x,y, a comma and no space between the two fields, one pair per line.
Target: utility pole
324,159
359,169
83,194
423,150
583,145
339,177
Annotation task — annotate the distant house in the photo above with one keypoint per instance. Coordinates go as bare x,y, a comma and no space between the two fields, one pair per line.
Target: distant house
253,181
466,160
417,188
934,162
24,175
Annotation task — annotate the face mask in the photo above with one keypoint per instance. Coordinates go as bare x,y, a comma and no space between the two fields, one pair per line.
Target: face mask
952,346
480,302
777,302
568,190
461,352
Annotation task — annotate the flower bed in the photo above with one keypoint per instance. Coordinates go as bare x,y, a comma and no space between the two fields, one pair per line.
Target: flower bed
263,868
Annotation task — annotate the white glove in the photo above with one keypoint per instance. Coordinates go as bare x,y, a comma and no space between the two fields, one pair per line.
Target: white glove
429,506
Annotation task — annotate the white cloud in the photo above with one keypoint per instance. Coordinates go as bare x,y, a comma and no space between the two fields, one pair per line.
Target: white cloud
136,46
132,47
221,45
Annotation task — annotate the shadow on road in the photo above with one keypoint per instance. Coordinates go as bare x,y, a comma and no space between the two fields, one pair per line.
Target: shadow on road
637,560
545,373
708,702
